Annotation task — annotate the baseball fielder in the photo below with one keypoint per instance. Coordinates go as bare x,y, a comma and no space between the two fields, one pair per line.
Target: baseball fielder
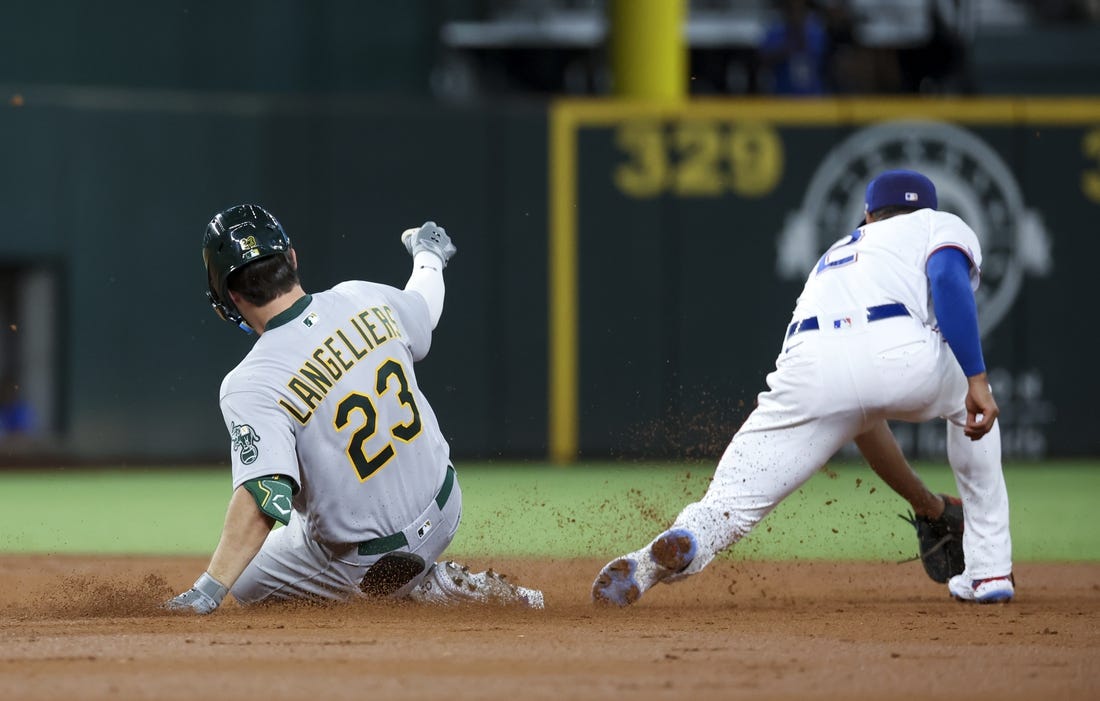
886,328
330,433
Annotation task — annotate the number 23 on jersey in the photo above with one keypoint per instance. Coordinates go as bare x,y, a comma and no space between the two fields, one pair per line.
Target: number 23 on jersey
357,403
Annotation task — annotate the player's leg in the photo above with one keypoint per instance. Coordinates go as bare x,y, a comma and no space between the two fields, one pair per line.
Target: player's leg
773,453
400,573
810,410
763,464
291,565
448,582
987,542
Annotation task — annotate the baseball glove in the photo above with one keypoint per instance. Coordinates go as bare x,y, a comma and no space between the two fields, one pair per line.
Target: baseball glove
940,540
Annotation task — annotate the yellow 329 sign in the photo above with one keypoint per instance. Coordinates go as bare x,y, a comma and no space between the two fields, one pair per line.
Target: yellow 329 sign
698,158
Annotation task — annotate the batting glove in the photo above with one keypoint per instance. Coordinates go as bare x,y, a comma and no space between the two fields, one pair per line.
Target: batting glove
205,596
431,238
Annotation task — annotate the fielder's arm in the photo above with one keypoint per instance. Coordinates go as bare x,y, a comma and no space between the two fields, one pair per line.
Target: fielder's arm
884,455
957,315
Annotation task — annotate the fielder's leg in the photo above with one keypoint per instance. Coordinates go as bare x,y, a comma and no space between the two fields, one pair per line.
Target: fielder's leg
810,410
764,463
987,543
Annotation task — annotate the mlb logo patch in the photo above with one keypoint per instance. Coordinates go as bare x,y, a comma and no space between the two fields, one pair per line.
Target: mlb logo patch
310,320
423,530
911,197
843,323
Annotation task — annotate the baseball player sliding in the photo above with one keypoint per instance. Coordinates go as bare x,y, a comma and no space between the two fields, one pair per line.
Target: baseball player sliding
886,328
330,433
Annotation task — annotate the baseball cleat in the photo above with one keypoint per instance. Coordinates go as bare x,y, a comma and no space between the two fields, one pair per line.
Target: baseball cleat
617,583
674,550
623,581
993,590
451,583
494,588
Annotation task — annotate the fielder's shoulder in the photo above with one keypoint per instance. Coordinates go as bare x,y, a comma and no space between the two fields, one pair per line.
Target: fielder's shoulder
941,217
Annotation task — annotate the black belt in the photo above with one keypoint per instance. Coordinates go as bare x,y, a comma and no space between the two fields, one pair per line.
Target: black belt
876,313
388,543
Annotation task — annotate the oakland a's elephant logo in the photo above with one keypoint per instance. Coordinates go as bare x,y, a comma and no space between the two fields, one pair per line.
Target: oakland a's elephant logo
245,439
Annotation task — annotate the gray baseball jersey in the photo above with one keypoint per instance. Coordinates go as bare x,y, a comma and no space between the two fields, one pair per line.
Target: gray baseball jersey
328,397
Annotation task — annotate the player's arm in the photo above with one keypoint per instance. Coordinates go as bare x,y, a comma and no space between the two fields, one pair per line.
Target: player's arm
246,528
957,314
938,519
883,454
431,248
253,509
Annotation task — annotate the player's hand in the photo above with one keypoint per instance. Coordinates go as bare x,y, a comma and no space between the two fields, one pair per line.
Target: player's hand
204,597
431,238
192,600
981,408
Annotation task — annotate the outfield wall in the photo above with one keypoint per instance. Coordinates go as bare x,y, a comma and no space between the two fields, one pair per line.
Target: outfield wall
624,273
712,213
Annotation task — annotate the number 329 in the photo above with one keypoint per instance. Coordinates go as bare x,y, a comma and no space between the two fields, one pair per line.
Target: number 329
698,158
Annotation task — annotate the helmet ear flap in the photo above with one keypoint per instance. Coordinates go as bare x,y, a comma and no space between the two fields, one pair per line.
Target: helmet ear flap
217,306
228,313
217,289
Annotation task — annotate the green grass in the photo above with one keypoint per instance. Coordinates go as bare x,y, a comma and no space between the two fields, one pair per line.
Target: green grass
538,510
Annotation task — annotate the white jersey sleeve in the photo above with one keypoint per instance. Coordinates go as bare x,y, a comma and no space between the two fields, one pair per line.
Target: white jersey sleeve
948,231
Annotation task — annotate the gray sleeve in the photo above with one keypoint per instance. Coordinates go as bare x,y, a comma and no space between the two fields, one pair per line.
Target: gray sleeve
261,438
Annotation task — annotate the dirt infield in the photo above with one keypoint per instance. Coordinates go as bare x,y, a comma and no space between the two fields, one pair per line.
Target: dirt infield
89,628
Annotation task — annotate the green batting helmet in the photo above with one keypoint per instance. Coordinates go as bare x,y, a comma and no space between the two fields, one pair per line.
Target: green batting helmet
234,238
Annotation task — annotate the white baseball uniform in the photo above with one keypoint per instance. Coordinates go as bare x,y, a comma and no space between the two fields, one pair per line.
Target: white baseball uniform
862,347
328,397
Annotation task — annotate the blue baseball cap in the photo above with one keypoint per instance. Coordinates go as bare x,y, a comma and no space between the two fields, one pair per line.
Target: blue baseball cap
904,188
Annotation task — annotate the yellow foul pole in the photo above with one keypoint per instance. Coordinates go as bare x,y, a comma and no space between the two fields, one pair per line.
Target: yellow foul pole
648,53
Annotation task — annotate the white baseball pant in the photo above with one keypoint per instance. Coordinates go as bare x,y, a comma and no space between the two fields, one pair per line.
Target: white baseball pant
829,386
